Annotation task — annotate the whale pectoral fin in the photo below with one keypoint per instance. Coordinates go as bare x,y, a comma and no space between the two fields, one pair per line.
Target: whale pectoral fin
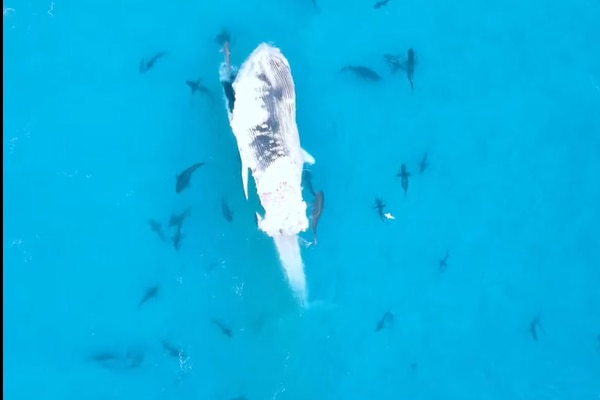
308,159
258,219
245,178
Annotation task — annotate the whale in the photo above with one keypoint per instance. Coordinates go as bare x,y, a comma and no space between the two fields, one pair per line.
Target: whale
260,99
227,76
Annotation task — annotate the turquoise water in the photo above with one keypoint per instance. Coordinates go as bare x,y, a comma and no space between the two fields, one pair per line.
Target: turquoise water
506,105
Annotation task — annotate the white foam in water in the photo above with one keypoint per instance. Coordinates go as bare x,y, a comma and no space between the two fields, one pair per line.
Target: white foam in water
290,257
285,216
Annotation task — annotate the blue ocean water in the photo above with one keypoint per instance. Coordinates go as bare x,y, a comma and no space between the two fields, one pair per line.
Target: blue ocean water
506,106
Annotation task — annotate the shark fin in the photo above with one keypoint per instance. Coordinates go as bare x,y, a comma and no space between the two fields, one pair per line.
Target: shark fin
308,159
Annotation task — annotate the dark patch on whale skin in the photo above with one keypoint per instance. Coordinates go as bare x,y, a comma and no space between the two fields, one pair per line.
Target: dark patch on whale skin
272,92
229,91
268,142
270,125
263,78
268,147
229,94
276,93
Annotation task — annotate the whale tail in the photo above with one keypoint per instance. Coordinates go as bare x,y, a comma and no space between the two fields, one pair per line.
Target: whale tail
288,250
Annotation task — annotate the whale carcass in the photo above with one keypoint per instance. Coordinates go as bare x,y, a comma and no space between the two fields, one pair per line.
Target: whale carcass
261,106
